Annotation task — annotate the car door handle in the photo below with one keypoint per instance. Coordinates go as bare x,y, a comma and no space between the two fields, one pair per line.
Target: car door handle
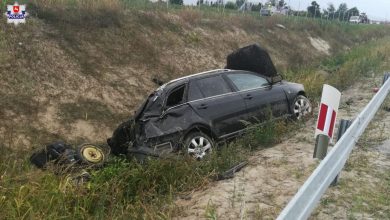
202,106
248,96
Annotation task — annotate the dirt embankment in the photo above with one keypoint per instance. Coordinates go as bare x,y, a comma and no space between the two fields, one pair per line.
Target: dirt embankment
263,188
73,80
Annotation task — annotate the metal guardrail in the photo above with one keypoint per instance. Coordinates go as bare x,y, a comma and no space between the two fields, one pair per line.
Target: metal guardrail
308,196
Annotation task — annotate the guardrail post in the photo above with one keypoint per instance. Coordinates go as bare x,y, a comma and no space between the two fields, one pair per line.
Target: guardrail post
344,125
385,77
321,147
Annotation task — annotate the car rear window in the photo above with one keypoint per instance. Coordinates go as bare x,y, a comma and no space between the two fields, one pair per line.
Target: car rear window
245,81
212,86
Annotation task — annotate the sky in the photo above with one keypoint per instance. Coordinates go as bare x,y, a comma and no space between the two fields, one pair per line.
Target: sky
375,9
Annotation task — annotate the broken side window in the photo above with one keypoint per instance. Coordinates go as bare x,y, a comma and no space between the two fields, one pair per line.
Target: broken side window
175,97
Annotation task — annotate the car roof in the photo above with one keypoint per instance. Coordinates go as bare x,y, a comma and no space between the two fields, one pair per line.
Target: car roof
180,80
176,82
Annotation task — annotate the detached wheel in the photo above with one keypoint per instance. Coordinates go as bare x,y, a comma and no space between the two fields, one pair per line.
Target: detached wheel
301,107
91,154
198,145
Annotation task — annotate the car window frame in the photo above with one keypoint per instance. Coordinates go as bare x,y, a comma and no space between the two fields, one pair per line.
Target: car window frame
246,72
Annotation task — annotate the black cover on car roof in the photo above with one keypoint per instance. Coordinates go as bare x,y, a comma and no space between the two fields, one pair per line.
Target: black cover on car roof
251,58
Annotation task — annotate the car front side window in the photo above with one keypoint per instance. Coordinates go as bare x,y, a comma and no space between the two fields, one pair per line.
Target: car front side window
246,81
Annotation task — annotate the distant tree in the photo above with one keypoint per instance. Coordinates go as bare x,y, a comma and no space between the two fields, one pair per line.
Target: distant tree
257,7
282,3
231,5
198,2
240,2
353,12
176,2
314,9
342,8
341,12
272,2
331,9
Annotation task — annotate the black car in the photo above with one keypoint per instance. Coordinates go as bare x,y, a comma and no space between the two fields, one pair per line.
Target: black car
196,111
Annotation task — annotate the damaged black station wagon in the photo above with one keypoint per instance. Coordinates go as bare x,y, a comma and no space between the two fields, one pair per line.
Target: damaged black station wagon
194,112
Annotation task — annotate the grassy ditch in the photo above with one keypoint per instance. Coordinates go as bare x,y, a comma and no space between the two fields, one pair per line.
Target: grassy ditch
126,189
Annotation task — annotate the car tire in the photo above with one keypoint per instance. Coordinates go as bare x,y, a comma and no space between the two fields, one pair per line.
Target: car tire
90,154
198,145
301,107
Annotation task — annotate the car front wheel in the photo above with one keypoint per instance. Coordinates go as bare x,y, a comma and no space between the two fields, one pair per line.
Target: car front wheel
301,107
198,145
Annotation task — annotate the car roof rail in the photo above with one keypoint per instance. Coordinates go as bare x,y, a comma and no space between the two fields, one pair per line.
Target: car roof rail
201,73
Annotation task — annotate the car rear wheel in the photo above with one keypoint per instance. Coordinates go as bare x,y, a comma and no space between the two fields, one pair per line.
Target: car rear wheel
301,107
198,145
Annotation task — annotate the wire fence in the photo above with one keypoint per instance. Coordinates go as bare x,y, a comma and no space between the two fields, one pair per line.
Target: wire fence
208,9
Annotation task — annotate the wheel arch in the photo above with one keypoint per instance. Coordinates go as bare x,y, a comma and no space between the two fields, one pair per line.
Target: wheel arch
200,128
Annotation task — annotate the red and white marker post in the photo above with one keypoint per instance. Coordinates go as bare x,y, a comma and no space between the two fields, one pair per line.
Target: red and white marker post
328,109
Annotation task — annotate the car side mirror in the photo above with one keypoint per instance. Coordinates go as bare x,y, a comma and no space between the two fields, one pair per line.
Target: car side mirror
276,79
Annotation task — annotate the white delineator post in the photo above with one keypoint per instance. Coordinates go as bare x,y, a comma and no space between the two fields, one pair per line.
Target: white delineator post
328,109
326,120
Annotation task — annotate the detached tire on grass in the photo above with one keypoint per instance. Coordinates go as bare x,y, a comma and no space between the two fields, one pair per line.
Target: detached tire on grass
90,154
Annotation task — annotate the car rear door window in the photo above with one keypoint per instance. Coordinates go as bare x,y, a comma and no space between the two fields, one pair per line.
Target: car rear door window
246,81
212,86
194,92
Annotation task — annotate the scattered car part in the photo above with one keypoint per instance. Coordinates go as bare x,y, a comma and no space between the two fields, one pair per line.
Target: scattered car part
90,154
66,157
80,178
230,172
52,152
122,137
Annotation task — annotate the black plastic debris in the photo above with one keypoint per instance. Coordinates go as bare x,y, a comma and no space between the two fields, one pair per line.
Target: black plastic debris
252,58
52,152
68,157
122,138
228,174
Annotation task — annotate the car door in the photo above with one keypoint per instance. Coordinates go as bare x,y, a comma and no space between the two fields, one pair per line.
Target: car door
261,98
213,100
